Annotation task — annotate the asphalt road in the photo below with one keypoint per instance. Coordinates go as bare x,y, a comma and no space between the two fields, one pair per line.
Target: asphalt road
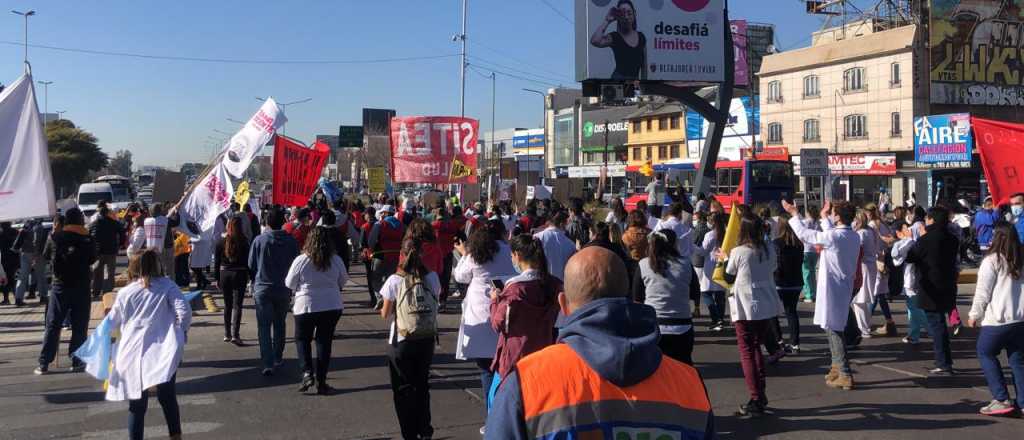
222,394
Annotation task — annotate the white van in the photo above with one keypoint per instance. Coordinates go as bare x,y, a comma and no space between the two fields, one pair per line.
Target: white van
90,195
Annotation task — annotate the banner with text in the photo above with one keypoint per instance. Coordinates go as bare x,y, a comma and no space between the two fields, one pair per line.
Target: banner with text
247,143
377,180
434,149
943,141
211,197
296,170
1001,145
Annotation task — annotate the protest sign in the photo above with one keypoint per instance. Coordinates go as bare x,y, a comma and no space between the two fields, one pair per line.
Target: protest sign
434,149
296,170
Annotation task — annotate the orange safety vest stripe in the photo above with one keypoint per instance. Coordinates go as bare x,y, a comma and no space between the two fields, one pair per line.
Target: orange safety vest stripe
556,377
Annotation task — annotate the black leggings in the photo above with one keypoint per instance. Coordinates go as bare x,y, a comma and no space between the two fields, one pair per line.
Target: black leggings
790,298
168,398
678,347
201,282
318,326
232,285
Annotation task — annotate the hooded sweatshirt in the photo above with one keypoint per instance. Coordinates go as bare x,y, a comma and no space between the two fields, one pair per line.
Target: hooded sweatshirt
524,317
615,337
270,257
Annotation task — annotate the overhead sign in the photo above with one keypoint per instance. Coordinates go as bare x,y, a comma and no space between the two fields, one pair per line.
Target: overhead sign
1001,146
427,149
943,140
611,119
975,52
855,165
813,162
350,136
677,40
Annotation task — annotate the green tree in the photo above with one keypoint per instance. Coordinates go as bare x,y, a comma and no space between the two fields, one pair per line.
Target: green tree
73,154
121,163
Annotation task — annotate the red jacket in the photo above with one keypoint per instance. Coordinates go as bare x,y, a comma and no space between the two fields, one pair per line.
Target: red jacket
298,233
524,317
389,242
445,230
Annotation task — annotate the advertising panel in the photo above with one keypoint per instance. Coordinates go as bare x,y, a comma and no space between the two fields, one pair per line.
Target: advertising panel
350,136
618,170
739,44
856,164
744,118
943,141
434,149
975,52
674,40
528,142
594,125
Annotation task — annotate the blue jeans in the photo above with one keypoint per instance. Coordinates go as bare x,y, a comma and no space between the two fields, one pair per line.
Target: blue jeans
486,376
837,348
992,340
940,339
915,319
66,302
37,272
716,305
881,300
271,311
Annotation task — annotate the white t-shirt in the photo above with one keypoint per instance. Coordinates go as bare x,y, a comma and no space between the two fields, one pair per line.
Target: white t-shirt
389,292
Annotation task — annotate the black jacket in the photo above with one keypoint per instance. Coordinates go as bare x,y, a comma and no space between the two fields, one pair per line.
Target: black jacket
106,232
789,272
11,260
934,257
71,253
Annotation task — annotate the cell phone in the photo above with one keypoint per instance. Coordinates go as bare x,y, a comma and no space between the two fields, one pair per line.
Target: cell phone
498,284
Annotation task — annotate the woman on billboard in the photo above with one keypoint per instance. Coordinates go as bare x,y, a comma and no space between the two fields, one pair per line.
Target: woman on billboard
628,46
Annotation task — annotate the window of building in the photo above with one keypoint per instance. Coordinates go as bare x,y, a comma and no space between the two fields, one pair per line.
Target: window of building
774,92
674,122
662,152
650,150
895,131
811,131
811,88
649,124
894,75
636,153
674,151
853,80
636,126
775,133
855,126
663,123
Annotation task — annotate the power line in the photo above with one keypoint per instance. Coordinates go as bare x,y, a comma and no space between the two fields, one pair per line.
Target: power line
230,60
518,60
510,75
557,11
520,71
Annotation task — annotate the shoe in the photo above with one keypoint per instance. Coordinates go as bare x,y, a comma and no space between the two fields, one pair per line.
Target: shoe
278,363
77,368
238,342
887,330
792,349
323,389
774,358
753,408
19,303
30,296
911,341
832,374
717,327
227,339
307,382
941,372
808,300
844,381
956,330
997,408
4,302
483,430
866,335
267,372
41,370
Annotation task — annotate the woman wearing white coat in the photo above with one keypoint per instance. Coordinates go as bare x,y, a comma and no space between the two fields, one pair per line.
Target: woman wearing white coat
486,257
870,245
153,318
712,293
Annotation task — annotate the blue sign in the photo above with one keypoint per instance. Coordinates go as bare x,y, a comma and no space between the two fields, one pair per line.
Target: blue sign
744,118
943,140
529,141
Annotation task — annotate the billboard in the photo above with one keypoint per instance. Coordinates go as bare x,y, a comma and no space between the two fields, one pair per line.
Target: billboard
856,164
943,141
528,141
596,121
376,122
675,40
975,52
350,136
434,149
744,122
739,44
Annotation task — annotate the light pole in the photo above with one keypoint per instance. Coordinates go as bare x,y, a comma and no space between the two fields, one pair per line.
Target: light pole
60,113
235,121
26,15
284,106
461,37
46,96
544,107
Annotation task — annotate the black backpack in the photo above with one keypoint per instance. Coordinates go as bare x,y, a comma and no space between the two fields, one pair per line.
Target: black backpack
71,255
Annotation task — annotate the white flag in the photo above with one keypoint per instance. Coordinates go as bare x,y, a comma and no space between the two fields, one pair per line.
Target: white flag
247,143
26,186
211,197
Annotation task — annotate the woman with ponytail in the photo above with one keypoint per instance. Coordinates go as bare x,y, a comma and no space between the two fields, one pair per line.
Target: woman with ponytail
663,282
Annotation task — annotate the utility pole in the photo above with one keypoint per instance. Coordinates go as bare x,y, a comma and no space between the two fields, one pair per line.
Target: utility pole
46,96
462,65
26,15
494,99
606,175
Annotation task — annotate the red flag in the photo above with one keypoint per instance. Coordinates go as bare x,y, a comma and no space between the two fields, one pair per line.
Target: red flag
434,149
1001,145
296,170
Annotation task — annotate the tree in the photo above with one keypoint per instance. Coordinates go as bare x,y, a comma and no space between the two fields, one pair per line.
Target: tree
73,154
121,164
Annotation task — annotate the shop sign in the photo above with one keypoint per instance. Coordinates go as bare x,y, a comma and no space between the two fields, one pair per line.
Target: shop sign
856,165
618,170
814,162
943,141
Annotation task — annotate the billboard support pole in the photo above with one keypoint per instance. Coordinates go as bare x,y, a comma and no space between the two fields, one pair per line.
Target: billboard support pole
717,115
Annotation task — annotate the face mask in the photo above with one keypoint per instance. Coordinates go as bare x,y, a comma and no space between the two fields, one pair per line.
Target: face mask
1017,210
517,268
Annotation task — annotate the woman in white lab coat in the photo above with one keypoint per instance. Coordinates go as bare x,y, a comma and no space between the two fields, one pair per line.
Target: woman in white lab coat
870,244
487,257
153,318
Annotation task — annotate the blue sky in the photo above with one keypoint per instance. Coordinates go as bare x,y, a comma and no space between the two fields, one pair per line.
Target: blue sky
165,111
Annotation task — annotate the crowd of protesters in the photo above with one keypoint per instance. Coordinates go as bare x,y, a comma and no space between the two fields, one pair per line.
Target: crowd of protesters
637,279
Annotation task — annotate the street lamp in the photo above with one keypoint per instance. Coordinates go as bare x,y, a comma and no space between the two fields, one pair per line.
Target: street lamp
26,15
46,96
235,121
544,112
284,106
59,113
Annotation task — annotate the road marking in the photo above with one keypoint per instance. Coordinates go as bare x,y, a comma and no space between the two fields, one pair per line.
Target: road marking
154,431
114,407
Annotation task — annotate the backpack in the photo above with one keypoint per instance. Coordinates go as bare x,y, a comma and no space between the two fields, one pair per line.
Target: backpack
415,309
70,256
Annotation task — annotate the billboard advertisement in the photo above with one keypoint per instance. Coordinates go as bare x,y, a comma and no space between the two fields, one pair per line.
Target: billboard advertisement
597,121
975,52
856,164
528,141
434,149
744,120
739,44
943,140
670,40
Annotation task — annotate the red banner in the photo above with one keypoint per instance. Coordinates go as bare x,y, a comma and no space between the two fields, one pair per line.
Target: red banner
1001,145
296,170
434,149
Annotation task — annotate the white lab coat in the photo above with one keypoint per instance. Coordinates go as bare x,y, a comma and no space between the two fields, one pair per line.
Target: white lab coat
153,323
837,269
869,243
684,234
558,248
705,274
202,248
477,340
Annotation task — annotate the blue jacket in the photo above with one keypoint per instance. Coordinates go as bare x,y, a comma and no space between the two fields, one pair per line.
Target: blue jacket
1020,229
616,338
270,257
984,219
